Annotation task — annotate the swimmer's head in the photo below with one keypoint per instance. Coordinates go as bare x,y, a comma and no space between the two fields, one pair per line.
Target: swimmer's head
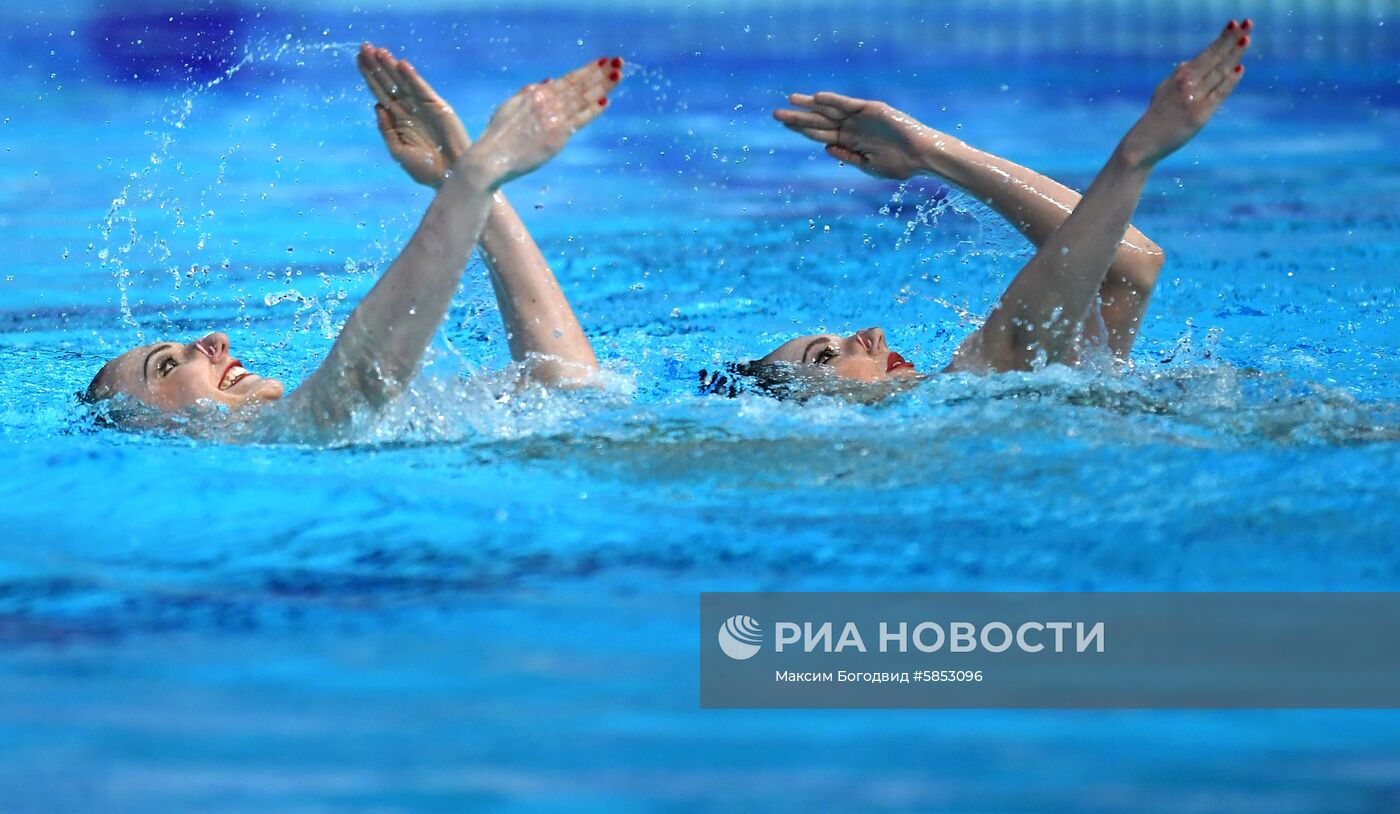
862,356
171,377
818,364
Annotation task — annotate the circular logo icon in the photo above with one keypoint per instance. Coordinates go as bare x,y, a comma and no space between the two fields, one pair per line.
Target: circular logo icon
740,637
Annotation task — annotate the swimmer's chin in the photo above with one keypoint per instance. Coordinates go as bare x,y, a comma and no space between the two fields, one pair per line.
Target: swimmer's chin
271,390
256,390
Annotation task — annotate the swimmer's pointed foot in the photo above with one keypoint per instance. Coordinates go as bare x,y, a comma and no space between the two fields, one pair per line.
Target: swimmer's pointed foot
1186,99
534,124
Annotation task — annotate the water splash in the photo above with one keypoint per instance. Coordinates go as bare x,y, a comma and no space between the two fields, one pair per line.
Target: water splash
130,245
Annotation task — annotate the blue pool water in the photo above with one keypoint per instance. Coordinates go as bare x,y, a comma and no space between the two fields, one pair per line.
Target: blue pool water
487,605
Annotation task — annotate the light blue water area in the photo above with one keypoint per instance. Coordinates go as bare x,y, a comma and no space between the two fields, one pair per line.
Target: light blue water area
487,604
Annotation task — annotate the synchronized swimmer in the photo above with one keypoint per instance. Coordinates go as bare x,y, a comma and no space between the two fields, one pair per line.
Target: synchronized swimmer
1083,293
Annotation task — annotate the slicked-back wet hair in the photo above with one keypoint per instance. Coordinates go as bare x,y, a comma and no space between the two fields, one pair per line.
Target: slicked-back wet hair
796,382
100,388
776,379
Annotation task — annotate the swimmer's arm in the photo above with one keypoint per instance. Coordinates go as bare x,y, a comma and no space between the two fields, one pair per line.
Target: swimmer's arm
539,322
888,143
425,135
1039,314
378,351
1037,206
1042,310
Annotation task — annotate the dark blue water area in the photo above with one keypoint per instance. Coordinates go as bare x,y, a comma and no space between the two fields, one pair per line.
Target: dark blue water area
480,604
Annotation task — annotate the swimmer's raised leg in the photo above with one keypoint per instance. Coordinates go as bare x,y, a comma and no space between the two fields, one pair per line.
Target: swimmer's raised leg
425,136
382,343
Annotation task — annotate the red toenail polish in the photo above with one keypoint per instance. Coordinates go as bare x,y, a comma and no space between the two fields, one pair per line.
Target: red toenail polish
617,62
545,81
1246,25
603,102
1239,68
1243,42
614,76
602,62
1231,26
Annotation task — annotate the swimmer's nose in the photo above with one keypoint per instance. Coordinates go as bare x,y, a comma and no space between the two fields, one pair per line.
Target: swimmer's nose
215,346
869,340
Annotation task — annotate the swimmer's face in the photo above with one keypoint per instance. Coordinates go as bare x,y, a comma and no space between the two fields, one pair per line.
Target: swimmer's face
862,356
172,377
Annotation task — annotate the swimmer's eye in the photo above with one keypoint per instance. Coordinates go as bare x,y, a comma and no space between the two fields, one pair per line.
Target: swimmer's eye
826,356
166,365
